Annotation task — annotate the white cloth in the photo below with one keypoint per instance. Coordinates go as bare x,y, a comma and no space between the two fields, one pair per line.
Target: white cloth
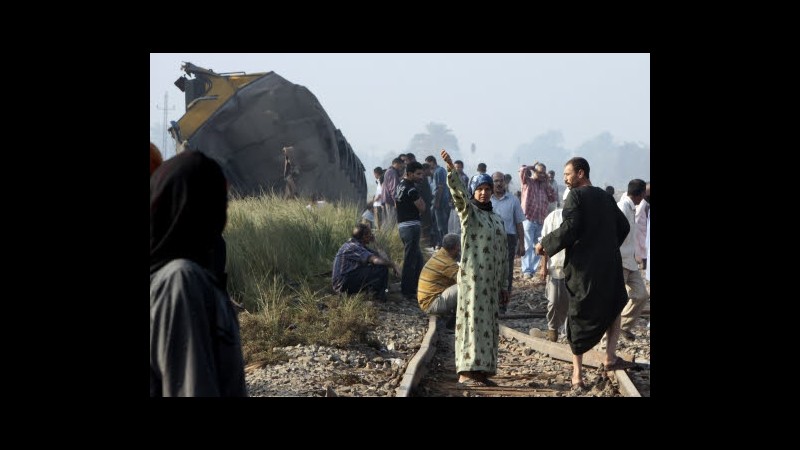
640,250
649,261
378,199
555,263
627,249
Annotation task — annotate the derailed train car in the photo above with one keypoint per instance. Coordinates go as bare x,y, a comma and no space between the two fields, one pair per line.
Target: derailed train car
268,134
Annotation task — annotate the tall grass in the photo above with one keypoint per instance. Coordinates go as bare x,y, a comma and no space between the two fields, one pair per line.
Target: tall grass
280,257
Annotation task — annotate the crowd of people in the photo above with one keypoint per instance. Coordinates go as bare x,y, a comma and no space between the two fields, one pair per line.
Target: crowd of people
586,249
564,242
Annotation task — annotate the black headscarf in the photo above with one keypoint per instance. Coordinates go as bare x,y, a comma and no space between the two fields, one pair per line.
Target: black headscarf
482,206
188,210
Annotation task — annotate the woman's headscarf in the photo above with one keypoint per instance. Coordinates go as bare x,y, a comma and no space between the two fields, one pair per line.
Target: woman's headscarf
188,209
477,180
474,183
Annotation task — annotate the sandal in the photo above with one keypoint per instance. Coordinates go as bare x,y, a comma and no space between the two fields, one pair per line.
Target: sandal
620,364
471,382
489,383
479,381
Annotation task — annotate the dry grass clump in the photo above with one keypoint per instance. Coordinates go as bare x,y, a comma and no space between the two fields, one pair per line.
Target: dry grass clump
279,262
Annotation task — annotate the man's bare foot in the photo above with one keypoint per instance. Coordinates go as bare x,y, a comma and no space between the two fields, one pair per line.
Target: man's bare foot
577,386
577,378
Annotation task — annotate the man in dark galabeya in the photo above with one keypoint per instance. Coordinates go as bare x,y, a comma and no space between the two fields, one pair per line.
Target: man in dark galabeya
591,233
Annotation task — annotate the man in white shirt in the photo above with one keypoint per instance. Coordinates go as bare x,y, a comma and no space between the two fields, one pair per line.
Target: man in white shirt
556,289
634,283
642,213
647,271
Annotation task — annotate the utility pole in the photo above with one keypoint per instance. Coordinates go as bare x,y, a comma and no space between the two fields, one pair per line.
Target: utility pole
166,126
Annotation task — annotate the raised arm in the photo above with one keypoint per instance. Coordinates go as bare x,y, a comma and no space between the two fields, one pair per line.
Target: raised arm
457,189
447,160
523,174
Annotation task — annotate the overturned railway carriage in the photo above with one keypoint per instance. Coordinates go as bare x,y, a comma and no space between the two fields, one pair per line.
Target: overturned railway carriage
268,134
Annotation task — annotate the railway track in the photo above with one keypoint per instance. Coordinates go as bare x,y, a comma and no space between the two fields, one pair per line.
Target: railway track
407,354
527,366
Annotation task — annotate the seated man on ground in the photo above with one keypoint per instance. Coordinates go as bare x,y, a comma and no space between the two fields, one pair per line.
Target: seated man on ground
437,292
357,267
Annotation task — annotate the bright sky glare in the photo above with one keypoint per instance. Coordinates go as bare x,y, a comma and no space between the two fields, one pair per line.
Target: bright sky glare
497,101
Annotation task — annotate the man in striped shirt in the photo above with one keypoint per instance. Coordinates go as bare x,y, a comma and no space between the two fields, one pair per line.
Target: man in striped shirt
537,193
437,292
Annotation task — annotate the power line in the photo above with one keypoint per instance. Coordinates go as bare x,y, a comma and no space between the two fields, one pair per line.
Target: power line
165,109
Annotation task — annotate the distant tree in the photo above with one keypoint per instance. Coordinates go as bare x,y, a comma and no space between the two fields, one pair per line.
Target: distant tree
612,163
438,136
547,148
385,160
615,164
635,159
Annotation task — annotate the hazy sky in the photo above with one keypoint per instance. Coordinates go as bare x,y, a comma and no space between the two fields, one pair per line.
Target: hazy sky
497,101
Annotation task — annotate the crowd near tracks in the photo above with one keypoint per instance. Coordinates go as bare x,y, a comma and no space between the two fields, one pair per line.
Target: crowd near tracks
410,354
527,367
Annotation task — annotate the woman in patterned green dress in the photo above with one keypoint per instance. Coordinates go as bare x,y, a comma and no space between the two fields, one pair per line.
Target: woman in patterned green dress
482,277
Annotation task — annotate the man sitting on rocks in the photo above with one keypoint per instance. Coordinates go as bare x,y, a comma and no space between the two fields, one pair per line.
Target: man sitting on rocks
437,292
357,267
